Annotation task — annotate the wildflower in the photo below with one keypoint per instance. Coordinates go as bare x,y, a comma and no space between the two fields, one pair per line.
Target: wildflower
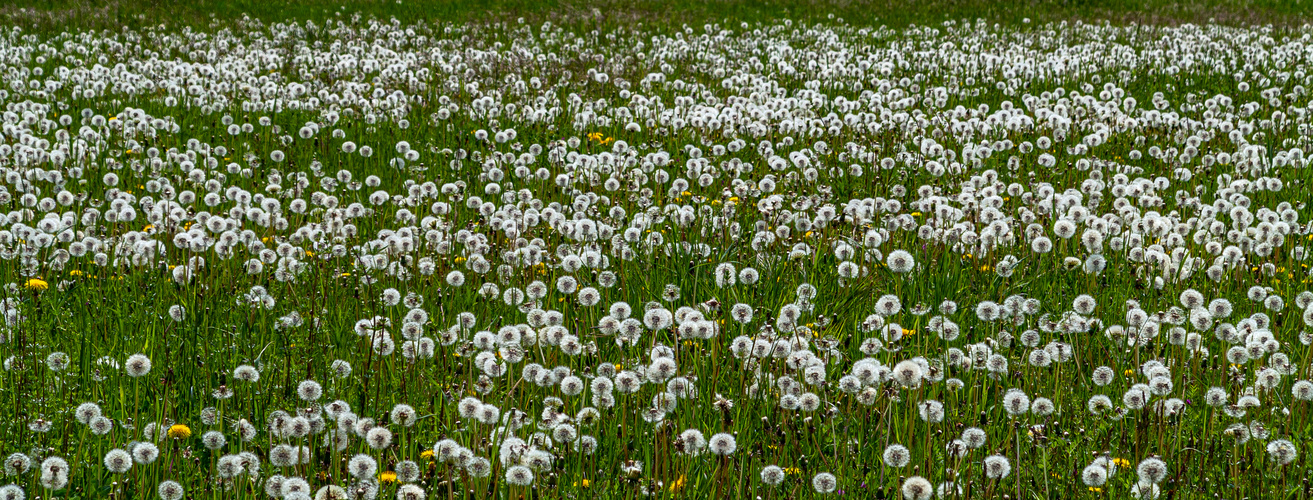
1152,470
118,461
246,373
1302,390
693,441
170,490
722,444
1282,451
824,482
36,284
85,412
145,453
137,365
917,488
900,261
519,475
1094,475
974,437
1144,490
678,484
908,373
896,455
407,471
997,467
11,492
378,438
362,466
213,440
309,390
179,431
54,473
17,464
1016,402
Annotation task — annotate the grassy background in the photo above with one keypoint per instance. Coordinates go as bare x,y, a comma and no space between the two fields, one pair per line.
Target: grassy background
112,14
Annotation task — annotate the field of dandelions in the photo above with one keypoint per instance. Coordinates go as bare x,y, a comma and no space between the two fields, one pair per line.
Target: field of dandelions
372,259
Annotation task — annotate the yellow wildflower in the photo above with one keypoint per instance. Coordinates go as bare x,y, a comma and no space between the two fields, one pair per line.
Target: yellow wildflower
37,284
387,477
179,431
678,484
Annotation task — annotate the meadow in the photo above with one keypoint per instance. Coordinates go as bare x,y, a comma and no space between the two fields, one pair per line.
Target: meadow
558,250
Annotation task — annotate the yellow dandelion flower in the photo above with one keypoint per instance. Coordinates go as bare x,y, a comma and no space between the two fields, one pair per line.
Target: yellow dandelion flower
179,431
37,284
678,484
387,477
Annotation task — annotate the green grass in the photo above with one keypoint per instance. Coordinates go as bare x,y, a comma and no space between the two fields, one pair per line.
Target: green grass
46,15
